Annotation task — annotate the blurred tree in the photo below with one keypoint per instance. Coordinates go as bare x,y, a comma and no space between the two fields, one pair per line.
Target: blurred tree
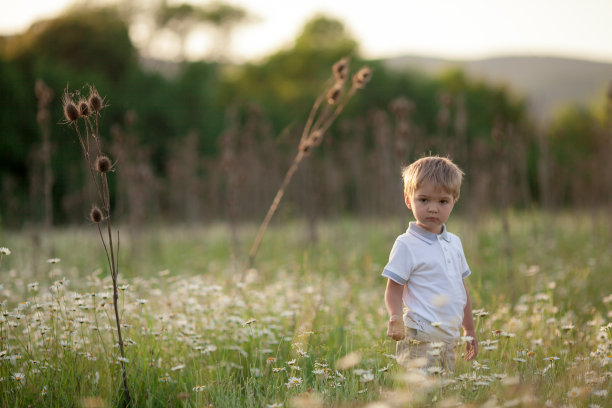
289,80
184,18
83,39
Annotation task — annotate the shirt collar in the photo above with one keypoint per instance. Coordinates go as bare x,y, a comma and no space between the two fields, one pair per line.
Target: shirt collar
427,236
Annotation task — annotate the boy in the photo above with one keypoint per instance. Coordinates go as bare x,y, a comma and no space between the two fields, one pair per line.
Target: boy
426,270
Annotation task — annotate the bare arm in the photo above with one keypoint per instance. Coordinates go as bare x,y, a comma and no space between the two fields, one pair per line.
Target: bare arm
471,348
394,303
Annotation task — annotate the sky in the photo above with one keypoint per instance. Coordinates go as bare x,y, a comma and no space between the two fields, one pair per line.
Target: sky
455,29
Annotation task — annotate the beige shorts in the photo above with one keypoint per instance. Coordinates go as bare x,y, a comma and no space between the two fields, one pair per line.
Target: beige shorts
420,345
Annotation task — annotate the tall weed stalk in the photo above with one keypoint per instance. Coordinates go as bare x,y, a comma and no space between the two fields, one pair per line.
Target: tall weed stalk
336,93
85,112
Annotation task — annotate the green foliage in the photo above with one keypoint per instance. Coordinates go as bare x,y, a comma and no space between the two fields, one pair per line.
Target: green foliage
90,40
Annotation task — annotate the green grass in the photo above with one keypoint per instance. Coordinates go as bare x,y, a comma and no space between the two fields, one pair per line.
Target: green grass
543,290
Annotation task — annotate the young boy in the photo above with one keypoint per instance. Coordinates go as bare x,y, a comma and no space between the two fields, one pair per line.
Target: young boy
426,270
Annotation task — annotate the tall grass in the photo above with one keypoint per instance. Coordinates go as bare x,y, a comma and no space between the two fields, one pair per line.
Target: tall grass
313,332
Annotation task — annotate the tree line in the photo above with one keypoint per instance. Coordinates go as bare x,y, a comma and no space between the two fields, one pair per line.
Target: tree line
205,140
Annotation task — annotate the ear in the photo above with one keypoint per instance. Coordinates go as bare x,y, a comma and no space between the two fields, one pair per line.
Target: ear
407,201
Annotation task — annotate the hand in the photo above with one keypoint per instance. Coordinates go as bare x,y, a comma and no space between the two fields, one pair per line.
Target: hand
471,347
395,328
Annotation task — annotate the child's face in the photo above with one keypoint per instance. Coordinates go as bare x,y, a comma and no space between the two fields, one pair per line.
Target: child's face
431,206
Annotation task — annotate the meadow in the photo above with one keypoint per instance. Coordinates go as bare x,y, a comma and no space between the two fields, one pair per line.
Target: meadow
307,325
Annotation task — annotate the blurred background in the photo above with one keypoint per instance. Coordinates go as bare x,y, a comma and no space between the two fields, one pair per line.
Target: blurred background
207,101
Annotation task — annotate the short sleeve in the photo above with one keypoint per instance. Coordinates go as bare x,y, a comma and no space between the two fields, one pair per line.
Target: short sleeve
400,263
465,269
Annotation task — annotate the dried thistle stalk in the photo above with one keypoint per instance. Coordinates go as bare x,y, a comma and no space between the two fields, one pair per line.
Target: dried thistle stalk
319,120
87,110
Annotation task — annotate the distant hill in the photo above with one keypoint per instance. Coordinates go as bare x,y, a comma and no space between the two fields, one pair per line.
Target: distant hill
546,82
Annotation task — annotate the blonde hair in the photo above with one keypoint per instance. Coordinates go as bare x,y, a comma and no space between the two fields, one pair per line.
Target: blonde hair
439,171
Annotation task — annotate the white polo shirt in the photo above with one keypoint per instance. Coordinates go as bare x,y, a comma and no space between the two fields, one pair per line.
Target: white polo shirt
431,267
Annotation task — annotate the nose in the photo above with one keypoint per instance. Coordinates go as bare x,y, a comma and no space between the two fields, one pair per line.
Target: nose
432,208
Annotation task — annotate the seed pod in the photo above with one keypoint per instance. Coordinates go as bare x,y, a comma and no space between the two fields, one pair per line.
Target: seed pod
96,103
84,110
95,215
362,77
102,164
340,69
334,94
71,113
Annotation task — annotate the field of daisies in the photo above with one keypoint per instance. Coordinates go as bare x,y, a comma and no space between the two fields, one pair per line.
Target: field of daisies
306,327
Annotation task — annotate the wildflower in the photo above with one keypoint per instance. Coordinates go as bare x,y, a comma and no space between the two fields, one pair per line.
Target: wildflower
44,391
33,286
568,327
271,360
322,371
477,366
71,113
178,367
19,376
435,370
275,405
467,339
102,164
53,261
123,360
5,251
574,392
278,369
199,388
293,382
366,377
436,324
249,322
551,359
601,393
165,379
480,313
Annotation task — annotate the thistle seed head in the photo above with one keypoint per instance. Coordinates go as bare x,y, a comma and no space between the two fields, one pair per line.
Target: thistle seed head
362,77
340,69
334,93
71,113
102,164
95,215
84,110
96,103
